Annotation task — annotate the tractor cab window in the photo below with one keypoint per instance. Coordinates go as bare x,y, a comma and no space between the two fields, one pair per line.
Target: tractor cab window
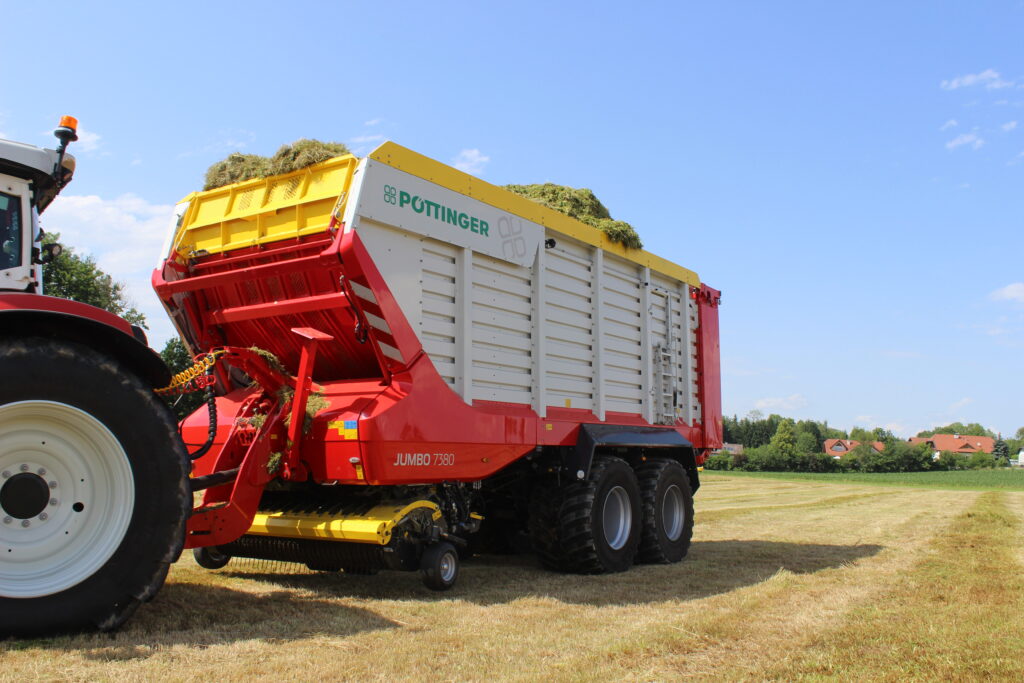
10,231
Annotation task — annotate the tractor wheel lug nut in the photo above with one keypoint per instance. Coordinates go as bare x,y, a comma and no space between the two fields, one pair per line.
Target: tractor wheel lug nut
54,502
43,516
41,472
8,520
25,523
23,468
53,484
6,474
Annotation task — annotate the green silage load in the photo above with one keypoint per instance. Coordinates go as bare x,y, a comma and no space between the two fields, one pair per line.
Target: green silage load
237,167
582,205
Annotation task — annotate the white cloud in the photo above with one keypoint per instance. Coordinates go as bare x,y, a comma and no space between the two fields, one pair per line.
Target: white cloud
957,405
87,141
990,78
897,427
971,139
900,429
124,236
362,144
949,124
784,403
471,161
1009,125
371,122
1011,292
230,141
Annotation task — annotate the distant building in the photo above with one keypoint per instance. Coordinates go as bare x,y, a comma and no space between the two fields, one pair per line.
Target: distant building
957,443
734,448
837,448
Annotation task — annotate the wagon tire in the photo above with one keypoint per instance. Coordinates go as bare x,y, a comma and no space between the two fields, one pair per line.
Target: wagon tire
94,491
439,566
590,526
667,511
210,557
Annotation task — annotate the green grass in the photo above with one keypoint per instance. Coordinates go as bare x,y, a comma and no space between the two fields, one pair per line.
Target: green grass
976,480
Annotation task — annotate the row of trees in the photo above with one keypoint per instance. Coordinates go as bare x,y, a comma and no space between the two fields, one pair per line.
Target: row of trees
775,443
756,430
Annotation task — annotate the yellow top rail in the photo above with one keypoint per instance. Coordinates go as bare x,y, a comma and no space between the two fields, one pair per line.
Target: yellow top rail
405,159
264,210
301,203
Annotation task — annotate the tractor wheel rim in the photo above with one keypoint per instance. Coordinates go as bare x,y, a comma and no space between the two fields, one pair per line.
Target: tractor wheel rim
447,569
673,514
89,506
617,517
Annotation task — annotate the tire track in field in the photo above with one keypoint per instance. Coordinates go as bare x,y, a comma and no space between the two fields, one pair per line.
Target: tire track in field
948,618
719,514
741,634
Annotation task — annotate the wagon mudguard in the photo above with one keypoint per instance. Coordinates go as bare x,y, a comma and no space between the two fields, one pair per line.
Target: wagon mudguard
86,325
669,442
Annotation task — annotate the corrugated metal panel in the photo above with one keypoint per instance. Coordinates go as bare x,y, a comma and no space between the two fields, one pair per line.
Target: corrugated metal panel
438,330
579,327
501,331
568,362
622,336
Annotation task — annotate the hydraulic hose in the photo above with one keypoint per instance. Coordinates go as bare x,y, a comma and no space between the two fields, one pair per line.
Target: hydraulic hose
211,405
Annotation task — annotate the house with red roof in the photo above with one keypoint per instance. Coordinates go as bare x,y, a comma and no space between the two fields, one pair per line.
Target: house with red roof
837,448
957,443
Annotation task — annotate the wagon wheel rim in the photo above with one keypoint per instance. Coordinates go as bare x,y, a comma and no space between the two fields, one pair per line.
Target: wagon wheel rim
66,497
448,567
617,517
673,513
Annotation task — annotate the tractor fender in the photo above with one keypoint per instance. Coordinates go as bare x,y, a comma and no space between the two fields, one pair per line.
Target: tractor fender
576,461
24,315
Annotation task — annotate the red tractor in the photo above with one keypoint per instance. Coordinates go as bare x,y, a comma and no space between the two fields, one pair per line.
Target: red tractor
93,476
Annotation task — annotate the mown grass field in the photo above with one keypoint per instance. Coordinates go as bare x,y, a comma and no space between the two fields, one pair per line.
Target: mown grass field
785,581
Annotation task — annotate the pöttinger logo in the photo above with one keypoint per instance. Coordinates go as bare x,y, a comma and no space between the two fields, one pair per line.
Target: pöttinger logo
390,194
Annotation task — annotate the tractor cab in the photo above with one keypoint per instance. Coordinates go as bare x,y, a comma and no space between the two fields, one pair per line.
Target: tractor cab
30,178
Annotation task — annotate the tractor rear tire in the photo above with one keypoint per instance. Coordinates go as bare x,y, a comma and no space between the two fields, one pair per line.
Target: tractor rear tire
590,526
667,504
94,491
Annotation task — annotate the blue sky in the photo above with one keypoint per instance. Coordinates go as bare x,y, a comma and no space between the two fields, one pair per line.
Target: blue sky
848,174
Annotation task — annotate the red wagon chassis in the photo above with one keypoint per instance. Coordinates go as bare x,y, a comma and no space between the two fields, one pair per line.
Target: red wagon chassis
396,422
